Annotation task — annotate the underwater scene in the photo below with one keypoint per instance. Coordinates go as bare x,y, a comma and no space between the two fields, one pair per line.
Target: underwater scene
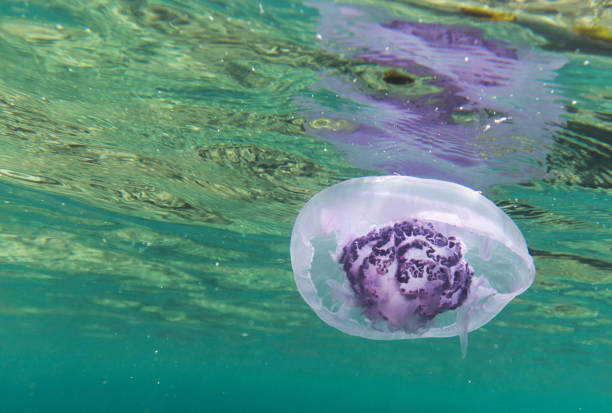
305,206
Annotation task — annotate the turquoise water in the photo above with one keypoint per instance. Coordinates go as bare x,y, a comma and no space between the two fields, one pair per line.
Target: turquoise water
154,157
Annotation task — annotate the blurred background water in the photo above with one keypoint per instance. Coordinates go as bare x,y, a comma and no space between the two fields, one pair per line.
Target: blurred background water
154,155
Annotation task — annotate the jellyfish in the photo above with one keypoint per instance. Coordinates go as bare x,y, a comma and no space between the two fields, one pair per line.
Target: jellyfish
399,257
432,100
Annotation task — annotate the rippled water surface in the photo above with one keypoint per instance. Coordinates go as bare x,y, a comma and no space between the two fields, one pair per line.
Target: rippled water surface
154,156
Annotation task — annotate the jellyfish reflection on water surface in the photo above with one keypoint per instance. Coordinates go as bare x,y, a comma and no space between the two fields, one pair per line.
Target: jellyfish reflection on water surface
397,257
433,100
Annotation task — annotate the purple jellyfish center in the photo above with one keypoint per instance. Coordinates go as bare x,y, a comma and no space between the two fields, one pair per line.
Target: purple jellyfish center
407,273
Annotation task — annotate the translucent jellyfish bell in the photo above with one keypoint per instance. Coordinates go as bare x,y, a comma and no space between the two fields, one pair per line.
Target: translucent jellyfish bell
398,257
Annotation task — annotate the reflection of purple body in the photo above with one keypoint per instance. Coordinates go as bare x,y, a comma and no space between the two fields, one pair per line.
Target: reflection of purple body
407,273
481,113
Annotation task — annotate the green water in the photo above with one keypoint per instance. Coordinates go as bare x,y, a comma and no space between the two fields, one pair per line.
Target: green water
152,163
